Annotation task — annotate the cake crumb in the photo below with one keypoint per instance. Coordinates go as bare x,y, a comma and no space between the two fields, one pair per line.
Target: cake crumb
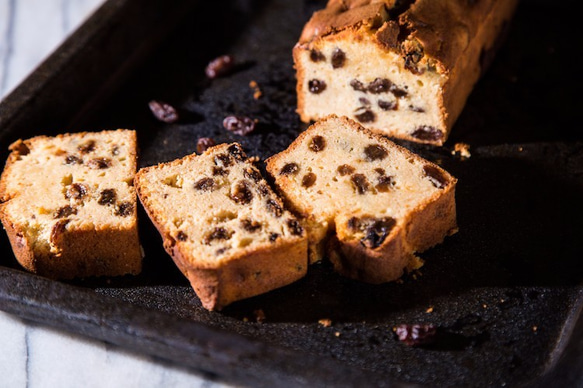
429,310
534,329
325,322
257,93
337,334
462,150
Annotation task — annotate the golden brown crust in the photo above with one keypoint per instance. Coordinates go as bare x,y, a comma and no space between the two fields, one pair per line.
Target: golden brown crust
243,273
77,249
340,14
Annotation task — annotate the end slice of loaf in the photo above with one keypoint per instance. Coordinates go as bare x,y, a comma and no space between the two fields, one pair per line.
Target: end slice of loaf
222,224
69,206
403,68
366,202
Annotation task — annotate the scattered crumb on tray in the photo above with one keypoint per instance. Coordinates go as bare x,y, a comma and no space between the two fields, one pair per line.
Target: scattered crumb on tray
462,150
325,322
257,93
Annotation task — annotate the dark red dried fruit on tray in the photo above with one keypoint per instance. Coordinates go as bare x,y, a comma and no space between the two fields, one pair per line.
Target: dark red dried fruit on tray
239,125
203,144
416,334
220,66
163,111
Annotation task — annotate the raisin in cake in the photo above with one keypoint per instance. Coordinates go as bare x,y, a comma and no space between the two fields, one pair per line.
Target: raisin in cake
69,206
366,203
403,68
224,227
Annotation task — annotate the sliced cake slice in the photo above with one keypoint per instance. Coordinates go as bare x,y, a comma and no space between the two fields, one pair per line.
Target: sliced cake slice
403,68
68,204
222,224
367,203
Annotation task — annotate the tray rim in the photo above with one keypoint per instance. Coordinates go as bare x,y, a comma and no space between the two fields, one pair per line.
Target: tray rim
193,344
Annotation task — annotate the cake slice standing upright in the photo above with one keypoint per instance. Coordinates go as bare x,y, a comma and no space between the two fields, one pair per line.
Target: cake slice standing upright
368,204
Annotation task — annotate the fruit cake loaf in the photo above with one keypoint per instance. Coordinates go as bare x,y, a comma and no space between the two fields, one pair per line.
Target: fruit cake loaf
69,206
222,224
366,202
403,68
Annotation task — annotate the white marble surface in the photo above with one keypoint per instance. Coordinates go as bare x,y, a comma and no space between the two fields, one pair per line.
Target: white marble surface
32,355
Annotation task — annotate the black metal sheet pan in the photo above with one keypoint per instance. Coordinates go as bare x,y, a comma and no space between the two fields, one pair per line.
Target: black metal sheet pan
505,292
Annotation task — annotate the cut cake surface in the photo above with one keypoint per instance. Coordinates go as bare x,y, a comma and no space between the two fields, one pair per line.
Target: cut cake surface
367,203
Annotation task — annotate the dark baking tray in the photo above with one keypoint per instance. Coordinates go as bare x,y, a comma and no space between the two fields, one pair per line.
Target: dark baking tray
505,292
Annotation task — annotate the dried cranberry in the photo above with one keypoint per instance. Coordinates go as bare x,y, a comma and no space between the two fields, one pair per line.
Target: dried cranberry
357,85
345,169
241,193
316,86
289,169
203,144
317,56
223,160
317,144
274,207
237,152
375,152
76,191
387,105
220,171
360,183
64,211
72,159
398,92
385,183
338,58
262,190
239,125
379,85
220,66
87,147
309,179
295,227
375,230
219,233
99,163
416,334
249,225
435,175
107,197
163,111
427,133
124,209
205,184
365,115
252,173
